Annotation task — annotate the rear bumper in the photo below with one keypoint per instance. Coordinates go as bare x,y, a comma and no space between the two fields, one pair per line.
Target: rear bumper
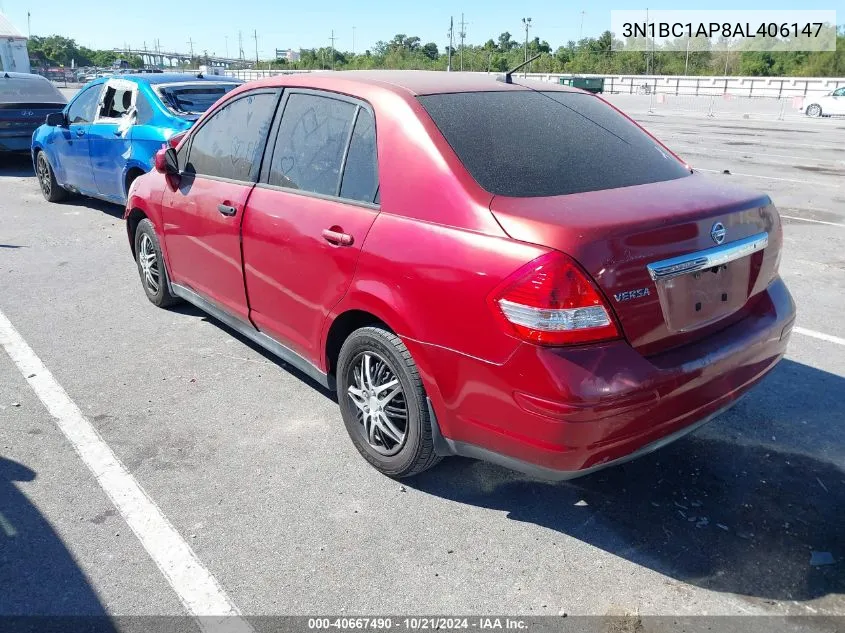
559,413
16,142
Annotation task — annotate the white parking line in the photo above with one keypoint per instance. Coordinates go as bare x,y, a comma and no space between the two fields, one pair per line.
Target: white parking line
819,335
795,217
199,591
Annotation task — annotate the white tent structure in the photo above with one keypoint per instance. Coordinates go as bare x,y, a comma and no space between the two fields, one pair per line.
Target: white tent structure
13,54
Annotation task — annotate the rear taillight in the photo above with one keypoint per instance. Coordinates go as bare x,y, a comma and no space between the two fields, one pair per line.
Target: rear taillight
551,301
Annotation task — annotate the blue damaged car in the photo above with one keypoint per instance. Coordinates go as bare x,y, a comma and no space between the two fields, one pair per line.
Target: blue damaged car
110,131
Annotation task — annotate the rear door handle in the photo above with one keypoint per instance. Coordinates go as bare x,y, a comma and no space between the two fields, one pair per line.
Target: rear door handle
227,210
337,237
80,131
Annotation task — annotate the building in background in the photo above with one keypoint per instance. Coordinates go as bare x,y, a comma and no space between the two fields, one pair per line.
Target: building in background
288,54
14,56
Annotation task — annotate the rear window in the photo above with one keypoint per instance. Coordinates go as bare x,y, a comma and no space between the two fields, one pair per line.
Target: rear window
34,90
193,99
530,143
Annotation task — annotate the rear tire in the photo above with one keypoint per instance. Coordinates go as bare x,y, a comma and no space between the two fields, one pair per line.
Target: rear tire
383,403
50,189
813,110
151,266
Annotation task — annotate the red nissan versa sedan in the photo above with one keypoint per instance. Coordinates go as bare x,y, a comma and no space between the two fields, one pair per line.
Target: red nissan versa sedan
508,272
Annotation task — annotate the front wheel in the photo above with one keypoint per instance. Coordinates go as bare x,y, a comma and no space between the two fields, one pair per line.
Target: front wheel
151,266
51,190
814,110
383,403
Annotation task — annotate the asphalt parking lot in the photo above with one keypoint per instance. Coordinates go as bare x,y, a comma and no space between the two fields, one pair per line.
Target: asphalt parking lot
251,463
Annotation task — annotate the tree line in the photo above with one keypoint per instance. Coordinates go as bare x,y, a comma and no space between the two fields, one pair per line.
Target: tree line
599,55
56,50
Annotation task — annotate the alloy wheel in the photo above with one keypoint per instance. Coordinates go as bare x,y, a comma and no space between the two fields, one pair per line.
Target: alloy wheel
44,179
380,402
148,261
814,110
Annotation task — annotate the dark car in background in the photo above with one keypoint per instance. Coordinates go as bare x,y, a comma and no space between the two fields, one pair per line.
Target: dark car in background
25,102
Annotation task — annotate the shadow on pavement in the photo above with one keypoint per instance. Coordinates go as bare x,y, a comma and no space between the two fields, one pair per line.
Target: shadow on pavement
16,166
38,575
717,509
20,166
191,310
109,208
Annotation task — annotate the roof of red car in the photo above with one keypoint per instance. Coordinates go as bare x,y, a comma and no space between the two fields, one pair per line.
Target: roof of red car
418,82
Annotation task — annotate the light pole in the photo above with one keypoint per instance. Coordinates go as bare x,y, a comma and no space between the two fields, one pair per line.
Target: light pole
451,40
527,23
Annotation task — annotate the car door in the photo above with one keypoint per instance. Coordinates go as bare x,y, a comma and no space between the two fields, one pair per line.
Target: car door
307,218
70,145
837,102
219,165
110,137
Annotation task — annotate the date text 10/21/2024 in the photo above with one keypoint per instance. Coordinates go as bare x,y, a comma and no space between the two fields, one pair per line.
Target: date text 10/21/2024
417,623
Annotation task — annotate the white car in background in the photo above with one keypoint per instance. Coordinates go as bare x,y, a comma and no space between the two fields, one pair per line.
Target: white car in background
832,103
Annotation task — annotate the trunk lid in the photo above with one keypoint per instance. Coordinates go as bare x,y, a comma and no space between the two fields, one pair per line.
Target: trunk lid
22,117
636,244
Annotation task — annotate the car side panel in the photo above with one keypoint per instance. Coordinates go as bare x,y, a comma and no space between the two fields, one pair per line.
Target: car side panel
431,283
146,196
837,104
294,277
110,144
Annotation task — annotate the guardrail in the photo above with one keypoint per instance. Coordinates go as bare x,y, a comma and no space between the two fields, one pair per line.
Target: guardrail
773,87
725,106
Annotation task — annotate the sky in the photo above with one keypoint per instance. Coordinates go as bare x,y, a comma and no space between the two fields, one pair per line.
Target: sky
213,25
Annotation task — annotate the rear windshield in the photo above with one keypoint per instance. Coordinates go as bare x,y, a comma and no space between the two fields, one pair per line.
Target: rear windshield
193,99
26,90
529,143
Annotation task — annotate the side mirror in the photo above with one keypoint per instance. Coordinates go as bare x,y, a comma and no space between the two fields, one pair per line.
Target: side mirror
166,161
56,119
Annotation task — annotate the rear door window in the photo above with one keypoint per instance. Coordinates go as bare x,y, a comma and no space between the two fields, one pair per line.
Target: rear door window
118,100
230,143
312,139
527,143
360,172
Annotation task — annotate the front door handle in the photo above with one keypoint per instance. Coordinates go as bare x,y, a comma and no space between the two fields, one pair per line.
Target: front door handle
337,237
227,210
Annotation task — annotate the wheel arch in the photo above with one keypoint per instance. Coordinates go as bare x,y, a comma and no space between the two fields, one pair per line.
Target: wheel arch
58,170
133,219
132,171
339,330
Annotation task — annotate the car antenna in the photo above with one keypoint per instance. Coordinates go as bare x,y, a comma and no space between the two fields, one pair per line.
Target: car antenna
506,78
6,76
199,76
